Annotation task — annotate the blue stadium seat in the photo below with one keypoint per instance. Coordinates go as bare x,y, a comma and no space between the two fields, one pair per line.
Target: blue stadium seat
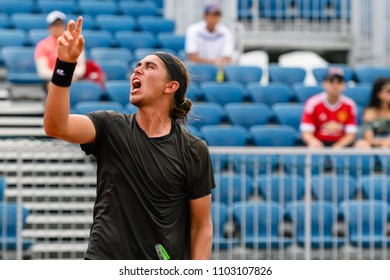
84,90
193,130
275,9
360,93
194,92
3,185
20,65
273,135
114,23
205,113
225,135
231,188
5,21
115,70
34,36
27,22
333,188
269,94
280,188
322,220
9,226
136,9
47,6
320,72
366,222
259,225
218,161
133,40
202,72
288,114
316,10
171,41
118,91
88,21
219,217
12,37
244,74
369,74
97,38
223,93
353,165
155,24
86,107
99,54
254,164
131,109
140,53
16,6
304,92
343,9
376,187
244,9
288,75
94,8
248,114
296,164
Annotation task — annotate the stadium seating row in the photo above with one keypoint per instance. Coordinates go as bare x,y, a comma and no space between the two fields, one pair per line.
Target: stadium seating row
292,9
84,7
287,187
9,222
259,224
110,23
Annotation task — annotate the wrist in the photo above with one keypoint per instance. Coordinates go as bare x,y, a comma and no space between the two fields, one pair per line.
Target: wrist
63,73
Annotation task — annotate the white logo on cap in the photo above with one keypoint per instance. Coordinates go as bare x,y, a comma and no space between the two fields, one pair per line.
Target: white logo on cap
60,72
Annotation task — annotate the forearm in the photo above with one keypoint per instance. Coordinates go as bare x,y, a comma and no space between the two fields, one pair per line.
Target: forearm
344,141
201,242
308,137
56,110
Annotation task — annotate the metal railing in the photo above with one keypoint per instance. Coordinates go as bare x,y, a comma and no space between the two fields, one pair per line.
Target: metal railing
56,183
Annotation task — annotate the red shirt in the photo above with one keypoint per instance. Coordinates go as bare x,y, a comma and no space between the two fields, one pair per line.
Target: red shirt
47,48
329,122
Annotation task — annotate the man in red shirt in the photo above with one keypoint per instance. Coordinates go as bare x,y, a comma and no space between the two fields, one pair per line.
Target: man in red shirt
329,118
46,50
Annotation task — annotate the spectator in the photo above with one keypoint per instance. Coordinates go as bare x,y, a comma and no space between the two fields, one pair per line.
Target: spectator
46,50
209,41
329,118
376,117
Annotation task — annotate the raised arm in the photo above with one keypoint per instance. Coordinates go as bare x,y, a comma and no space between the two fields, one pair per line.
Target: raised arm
57,121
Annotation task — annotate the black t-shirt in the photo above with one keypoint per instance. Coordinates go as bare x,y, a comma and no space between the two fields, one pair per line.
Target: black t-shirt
143,188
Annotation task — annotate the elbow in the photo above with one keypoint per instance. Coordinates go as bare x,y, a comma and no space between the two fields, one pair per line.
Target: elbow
51,130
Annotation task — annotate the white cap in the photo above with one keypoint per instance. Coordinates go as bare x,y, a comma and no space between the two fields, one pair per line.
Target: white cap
54,15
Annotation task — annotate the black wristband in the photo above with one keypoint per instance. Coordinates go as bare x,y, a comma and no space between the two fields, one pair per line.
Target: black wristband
63,73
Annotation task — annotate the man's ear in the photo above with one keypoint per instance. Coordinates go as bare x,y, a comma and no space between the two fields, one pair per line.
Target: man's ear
172,87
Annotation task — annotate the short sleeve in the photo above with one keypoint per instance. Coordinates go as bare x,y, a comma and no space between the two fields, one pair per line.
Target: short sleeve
98,120
200,174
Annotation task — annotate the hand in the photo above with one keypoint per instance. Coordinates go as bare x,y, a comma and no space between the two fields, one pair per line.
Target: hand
71,43
315,143
385,143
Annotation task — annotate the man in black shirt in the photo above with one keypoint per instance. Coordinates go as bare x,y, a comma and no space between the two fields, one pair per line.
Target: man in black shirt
154,178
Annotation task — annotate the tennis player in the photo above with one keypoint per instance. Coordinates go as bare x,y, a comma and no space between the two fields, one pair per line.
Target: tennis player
154,178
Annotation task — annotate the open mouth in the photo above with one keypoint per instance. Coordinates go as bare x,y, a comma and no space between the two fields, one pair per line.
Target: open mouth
136,84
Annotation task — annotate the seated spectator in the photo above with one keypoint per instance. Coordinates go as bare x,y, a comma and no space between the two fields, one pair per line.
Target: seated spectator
46,50
329,118
209,41
376,117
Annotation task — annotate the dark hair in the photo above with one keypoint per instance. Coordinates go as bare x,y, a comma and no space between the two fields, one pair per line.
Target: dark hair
376,89
177,71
